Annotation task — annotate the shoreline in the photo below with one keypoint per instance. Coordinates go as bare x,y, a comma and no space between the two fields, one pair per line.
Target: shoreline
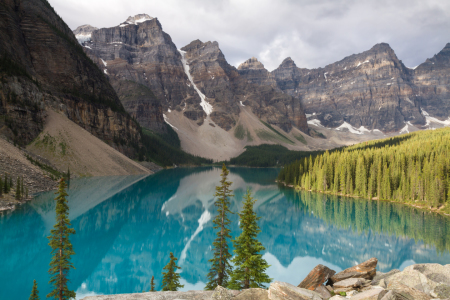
424,208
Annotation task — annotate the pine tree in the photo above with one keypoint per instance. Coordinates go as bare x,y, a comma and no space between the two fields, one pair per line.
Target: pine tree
5,182
18,189
61,247
171,279
221,269
250,267
152,284
1,187
34,292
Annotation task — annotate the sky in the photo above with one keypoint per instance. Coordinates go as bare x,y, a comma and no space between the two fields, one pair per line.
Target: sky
314,33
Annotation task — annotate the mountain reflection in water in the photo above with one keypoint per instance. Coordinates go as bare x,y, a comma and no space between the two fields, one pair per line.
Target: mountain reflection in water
126,226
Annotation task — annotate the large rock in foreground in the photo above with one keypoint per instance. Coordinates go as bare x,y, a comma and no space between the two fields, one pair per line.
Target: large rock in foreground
366,270
319,275
282,290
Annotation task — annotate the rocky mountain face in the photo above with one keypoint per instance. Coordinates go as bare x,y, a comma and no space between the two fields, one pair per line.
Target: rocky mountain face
226,90
139,55
372,89
42,65
196,81
83,33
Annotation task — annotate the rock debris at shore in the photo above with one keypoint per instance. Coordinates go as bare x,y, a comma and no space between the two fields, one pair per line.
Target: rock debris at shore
361,282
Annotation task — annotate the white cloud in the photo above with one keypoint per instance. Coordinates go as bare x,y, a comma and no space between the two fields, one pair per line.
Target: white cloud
313,33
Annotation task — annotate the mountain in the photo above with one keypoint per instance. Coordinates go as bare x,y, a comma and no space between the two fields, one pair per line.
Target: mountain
364,92
194,90
42,68
83,32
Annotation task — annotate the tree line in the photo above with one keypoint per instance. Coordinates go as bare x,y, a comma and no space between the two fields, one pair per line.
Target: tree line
410,168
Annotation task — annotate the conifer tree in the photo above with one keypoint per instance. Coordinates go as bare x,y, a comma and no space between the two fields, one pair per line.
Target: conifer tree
221,268
250,267
61,247
5,182
1,187
171,279
18,189
152,284
34,292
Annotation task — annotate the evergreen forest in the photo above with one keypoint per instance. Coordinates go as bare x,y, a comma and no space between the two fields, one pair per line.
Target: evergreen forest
409,168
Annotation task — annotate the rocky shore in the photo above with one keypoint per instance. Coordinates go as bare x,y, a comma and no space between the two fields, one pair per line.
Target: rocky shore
14,163
361,282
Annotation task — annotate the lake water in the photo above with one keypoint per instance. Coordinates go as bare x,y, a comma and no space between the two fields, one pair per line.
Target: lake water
126,226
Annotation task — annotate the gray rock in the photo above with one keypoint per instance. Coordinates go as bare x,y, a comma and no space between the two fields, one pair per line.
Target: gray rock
379,276
389,296
336,297
323,292
434,272
221,293
441,291
349,284
285,291
190,295
373,294
404,292
252,294
413,279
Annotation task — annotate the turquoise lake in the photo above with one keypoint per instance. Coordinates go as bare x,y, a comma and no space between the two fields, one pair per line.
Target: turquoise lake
126,226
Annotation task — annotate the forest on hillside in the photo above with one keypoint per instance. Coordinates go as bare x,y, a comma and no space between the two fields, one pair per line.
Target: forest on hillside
409,168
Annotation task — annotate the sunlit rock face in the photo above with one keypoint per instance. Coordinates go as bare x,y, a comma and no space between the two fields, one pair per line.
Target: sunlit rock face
372,89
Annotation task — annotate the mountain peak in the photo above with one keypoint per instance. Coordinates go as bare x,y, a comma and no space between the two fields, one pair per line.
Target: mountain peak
251,64
287,63
135,20
83,33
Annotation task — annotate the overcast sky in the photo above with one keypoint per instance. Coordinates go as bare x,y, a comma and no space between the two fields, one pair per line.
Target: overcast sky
313,33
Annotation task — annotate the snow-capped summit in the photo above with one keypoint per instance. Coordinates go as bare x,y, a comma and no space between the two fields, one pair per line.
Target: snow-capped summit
136,19
83,33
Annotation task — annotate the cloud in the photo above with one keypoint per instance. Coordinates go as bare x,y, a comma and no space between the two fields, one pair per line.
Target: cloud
313,33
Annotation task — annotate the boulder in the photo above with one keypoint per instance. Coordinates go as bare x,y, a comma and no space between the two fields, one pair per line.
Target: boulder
252,294
442,291
285,291
404,292
323,292
434,272
337,297
389,296
380,276
349,284
413,279
366,270
373,294
221,293
316,277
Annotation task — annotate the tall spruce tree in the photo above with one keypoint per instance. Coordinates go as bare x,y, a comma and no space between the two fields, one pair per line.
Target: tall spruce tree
152,284
220,263
1,187
250,267
34,292
171,279
62,250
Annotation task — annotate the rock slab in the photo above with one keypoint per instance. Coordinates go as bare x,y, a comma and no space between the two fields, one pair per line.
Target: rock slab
285,291
366,270
319,275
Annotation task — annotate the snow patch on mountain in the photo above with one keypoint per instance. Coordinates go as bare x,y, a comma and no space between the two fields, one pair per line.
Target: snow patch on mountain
208,108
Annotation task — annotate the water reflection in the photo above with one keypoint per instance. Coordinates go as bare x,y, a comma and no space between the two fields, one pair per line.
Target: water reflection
126,226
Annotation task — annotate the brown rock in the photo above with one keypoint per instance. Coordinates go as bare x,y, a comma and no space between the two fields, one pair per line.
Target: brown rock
316,277
366,270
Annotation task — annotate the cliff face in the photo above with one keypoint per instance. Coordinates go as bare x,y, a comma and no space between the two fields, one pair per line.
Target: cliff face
226,90
43,65
432,79
138,53
371,89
